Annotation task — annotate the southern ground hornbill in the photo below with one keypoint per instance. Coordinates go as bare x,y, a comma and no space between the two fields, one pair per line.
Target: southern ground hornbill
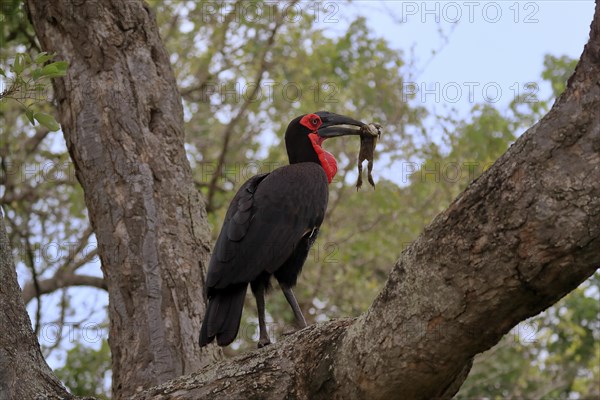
270,226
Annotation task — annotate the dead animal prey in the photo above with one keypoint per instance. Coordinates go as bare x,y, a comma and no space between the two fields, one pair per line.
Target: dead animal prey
368,139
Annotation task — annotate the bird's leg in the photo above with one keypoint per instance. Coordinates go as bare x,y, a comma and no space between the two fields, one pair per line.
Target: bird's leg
259,294
291,299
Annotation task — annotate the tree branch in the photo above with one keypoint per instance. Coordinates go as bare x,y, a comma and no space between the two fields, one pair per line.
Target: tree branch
31,145
513,243
61,281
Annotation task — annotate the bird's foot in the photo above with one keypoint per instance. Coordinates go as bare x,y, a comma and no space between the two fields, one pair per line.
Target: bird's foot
263,342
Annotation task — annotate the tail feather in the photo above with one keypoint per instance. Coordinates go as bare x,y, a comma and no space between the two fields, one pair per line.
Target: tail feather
223,316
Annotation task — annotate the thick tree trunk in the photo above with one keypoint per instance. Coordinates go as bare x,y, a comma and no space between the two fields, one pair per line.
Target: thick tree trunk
20,355
122,119
517,240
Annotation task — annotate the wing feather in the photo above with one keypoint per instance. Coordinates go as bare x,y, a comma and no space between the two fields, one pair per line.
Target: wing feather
266,221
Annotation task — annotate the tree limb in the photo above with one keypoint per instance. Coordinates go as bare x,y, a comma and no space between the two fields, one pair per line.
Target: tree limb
61,281
518,239
31,145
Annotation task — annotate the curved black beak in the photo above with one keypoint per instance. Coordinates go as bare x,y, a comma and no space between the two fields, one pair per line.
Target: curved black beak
335,125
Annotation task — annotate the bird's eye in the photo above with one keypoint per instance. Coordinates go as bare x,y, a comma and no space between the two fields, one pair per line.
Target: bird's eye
314,121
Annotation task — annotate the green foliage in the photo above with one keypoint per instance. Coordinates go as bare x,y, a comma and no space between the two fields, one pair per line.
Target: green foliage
557,71
87,371
28,83
13,22
46,120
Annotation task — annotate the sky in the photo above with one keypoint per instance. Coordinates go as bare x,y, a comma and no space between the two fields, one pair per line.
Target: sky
484,51
488,50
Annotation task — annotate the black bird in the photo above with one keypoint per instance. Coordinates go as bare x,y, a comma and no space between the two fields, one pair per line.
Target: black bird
270,225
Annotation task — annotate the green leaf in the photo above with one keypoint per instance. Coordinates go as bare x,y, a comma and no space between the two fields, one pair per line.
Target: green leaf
55,69
37,73
29,114
50,71
61,65
43,57
86,370
47,120
18,66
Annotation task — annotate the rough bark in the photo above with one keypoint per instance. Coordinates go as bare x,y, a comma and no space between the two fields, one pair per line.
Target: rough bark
517,240
122,119
20,354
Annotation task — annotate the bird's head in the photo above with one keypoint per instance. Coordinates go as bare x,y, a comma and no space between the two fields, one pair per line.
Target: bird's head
306,133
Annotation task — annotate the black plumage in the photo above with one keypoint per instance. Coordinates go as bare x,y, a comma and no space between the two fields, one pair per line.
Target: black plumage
268,230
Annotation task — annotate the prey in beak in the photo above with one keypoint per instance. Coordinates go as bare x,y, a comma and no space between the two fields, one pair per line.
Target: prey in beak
367,151
335,125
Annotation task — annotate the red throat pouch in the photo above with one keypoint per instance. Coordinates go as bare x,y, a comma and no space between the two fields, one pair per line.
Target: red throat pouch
327,160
